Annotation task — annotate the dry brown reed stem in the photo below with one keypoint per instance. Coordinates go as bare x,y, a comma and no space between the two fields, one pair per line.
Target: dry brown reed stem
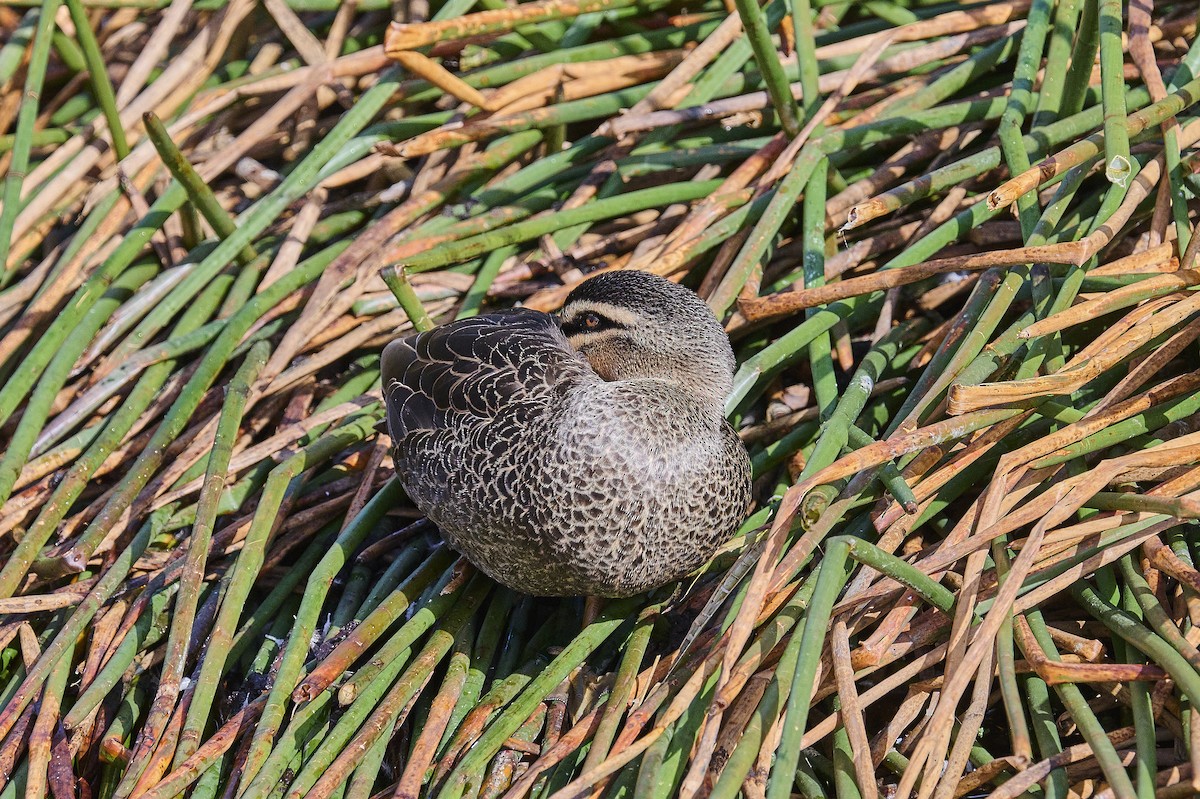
1011,190
711,208
286,436
1170,563
215,746
328,299
421,756
568,743
1062,672
969,726
1153,260
1079,370
790,302
40,603
669,90
401,37
1108,555
768,577
160,761
425,67
902,676
307,45
39,780
623,752
186,73
376,332
37,312
563,82
946,24
293,245
368,61
701,56
851,710
1111,301
1141,50
516,110
918,151
879,628
1071,253
155,48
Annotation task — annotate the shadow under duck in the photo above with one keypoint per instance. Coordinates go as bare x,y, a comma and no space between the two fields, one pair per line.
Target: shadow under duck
579,454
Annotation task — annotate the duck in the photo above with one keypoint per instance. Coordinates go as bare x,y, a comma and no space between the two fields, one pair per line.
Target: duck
580,454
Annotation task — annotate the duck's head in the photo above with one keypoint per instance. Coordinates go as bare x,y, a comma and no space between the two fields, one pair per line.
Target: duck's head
631,324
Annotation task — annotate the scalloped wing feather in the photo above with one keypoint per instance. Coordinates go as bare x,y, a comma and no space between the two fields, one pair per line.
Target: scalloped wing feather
471,368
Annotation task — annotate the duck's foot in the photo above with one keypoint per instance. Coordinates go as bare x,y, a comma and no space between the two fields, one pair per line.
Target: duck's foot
591,609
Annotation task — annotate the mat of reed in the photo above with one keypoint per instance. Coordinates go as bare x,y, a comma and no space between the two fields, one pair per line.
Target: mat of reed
953,246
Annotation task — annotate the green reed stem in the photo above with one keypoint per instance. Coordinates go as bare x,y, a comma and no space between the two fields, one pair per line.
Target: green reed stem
1128,629
1066,17
618,698
1081,714
361,694
830,580
1029,57
191,579
42,399
1118,167
889,476
820,349
400,694
149,629
239,580
459,782
767,57
315,592
198,191
754,252
108,584
64,323
35,76
396,278
1083,56
630,202
98,73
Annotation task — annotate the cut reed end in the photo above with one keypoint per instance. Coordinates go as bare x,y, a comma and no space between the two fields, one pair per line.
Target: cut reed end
304,693
1118,171
960,400
400,38
854,218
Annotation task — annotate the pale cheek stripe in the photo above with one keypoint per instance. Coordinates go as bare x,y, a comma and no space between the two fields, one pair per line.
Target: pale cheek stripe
582,339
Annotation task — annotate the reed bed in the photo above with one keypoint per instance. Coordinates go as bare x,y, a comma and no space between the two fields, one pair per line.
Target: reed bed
954,249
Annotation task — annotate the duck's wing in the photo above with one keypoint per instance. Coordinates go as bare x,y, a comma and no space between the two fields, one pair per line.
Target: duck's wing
474,367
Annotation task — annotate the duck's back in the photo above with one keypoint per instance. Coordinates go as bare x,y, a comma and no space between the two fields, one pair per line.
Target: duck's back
548,478
465,403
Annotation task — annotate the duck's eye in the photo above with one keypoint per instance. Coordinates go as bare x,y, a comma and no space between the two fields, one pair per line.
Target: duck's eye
591,320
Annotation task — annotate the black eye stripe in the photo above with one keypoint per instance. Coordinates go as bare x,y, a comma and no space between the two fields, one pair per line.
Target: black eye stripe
591,322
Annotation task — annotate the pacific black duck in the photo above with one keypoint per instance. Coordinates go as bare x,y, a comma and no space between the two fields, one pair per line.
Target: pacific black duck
579,454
